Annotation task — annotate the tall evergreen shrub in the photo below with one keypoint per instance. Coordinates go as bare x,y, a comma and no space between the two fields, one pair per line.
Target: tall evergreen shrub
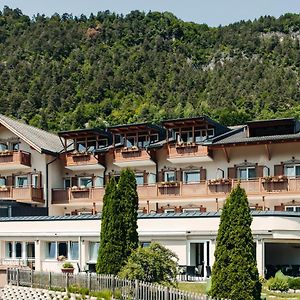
234,273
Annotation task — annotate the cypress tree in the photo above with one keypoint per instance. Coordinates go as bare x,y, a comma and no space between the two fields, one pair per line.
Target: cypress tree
234,273
129,199
111,251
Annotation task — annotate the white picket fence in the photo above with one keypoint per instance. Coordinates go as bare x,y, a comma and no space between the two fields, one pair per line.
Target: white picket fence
136,290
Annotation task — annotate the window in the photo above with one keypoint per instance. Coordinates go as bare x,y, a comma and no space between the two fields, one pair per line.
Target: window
3,147
131,141
102,143
292,170
80,146
99,181
21,181
30,250
2,181
8,249
143,141
145,244
74,251
86,182
19,247
292,208
34,182
151,178
153,138
191,176
67,183
51,250
93,250
246,173
15,146
170,176
139,179
62,249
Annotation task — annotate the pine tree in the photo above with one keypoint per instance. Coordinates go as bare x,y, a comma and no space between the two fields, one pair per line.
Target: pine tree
234,274
111,251
129,198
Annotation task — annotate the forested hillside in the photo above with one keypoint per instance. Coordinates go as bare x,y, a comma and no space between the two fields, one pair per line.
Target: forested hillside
65,72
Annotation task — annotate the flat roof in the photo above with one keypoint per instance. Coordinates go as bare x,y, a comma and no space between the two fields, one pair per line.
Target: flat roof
266,213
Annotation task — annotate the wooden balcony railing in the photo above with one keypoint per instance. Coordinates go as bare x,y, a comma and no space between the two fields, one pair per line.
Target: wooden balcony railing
19,157
22,194
73,196
176,190
80,159
187,150
130,154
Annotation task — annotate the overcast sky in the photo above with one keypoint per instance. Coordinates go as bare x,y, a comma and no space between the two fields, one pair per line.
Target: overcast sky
211,12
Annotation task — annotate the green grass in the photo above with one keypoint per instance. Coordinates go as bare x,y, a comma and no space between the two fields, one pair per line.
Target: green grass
195,287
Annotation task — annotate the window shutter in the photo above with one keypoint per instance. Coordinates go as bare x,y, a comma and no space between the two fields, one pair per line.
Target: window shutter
202,174
232,173
74,181
279,207
178,175
145,175
160,176
278,170
9,181
259,171
39,183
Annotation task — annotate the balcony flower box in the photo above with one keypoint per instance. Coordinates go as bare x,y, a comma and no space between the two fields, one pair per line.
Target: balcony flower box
6,153
67,268
219,181
186,145
131,149
3,188
79,154
280,178
168,184
79,188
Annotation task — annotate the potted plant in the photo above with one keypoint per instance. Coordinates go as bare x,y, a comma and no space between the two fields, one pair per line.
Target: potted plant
67,267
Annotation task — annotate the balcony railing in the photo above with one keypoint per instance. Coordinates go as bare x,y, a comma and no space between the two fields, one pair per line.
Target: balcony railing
175,190
80,159
15,158
76,196
22,194
133,153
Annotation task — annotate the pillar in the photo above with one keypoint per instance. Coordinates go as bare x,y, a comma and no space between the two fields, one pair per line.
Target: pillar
38,255
212,248
260,257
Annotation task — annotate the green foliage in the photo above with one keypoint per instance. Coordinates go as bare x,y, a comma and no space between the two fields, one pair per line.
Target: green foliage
65,72
68,265
278,284
234,273
280,275
129,199
152,264
294,283
119,223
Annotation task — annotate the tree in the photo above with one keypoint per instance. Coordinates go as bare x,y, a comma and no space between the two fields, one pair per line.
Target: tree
130,202
111,251
234,273
153,264
119,234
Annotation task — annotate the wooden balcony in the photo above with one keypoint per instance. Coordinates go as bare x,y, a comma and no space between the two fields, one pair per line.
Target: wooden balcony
132,157
77,196
15,160
22,194
188,153
77,161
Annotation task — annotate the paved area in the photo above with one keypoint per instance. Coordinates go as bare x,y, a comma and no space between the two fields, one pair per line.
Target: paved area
23,293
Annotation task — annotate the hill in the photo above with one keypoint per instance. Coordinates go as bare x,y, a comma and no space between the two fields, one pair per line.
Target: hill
64,72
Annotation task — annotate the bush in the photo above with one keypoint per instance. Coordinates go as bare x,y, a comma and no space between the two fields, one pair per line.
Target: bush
67,265
278,284
294,283
75,289
104,294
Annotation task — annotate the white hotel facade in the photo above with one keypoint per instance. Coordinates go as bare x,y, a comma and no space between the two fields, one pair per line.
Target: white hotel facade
51,189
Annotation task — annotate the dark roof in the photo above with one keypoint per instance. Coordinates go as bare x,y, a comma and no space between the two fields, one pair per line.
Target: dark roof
83,132
270,121
134,127
40,140
266,213
240,137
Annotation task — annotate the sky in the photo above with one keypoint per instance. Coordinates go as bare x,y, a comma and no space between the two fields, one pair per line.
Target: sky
211,12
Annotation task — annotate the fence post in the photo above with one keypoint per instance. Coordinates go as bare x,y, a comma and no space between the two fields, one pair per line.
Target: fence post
67,281
167,293
136,287
31,278
50,277
89,279
113,285
18,277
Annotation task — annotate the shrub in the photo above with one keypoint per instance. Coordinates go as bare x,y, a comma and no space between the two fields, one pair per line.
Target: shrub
294,283
278,284
67,265
104,294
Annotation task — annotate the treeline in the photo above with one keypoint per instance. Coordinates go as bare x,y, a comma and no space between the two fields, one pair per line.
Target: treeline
65,72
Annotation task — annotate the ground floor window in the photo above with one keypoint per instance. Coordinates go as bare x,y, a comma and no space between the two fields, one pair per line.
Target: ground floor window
93,251
19,250
292,208
67,249
9,250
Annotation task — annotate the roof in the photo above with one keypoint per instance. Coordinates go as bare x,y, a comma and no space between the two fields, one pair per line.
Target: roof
83,133
134,127
271,121
265,213
240,137
41,140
